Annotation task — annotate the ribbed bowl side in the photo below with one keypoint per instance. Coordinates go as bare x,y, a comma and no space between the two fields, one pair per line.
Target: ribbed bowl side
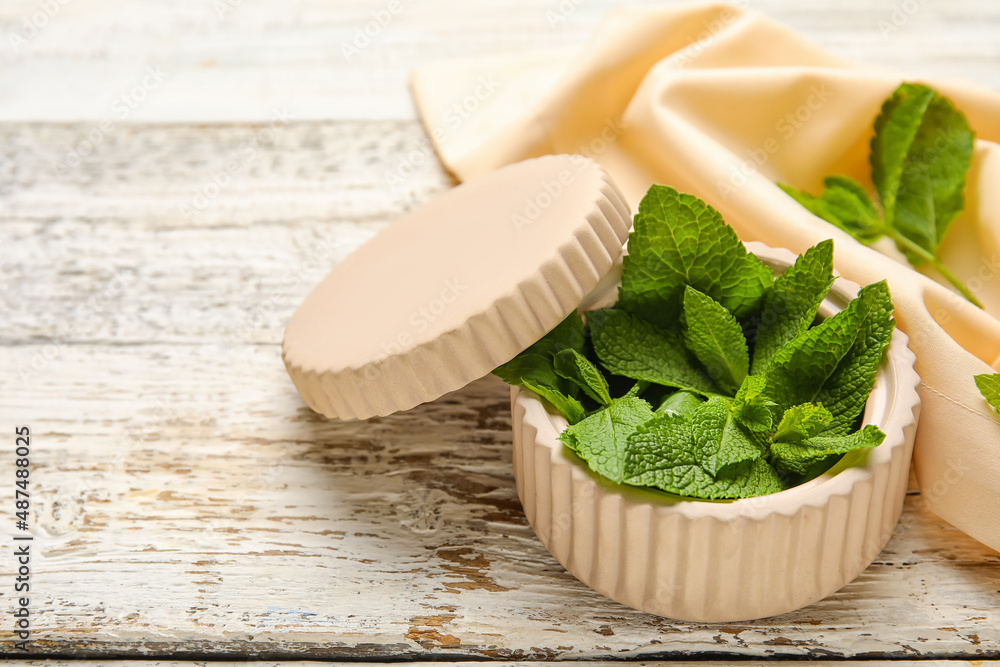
721,561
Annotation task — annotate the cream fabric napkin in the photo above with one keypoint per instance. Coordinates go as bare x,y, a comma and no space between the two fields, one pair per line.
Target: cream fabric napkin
722,102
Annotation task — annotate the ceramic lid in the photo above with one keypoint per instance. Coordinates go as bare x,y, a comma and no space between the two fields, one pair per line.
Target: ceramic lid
455,288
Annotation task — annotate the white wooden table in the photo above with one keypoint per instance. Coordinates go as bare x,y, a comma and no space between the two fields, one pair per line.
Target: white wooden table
185,503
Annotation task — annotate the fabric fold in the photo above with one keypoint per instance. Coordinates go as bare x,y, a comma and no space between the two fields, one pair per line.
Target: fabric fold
723,103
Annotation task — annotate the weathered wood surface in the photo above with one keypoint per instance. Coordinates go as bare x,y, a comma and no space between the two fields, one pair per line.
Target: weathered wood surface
186,503
589,663
239,60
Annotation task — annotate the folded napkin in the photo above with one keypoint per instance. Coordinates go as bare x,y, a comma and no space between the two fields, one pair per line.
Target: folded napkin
722,103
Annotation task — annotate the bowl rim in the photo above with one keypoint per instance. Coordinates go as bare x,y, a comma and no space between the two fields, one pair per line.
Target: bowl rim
893,405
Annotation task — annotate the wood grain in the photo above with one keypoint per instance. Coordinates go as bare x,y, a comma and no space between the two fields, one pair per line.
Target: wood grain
238,60
577,663
186,504
589,663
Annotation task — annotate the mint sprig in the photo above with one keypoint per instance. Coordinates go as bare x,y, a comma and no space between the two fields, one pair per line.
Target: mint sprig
751,395
715,337
698,250
989,386
920,156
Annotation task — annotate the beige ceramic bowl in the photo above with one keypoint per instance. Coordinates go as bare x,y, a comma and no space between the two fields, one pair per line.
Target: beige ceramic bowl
721,561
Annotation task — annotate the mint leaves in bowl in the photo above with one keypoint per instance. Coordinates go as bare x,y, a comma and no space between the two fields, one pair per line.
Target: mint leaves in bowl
729,437
708,378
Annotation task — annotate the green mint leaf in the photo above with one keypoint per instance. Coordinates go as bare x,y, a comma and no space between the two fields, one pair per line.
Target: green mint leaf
801,457
725,441
849,207
834,363
792,303
989,387
532,365
806,200
582,372
601,438
752,406
570,334
801,422
920,156
848,200
716,339
630,346
846,204
570,408
896,128
679,240
680,402
637,388
665,454
536,363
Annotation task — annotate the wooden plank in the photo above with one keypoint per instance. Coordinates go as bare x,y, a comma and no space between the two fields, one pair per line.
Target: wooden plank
187,502
588,663
233,60
96,245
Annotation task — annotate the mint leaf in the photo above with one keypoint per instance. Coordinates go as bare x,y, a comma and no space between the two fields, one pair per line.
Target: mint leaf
664,453
679,240
989,387
845,203
680,402
601,438
920,156
630,346
582,372
534,368
834,362
570,408
536,363
801,422
716,339
792,303
569,334
725,441
801,457
752,407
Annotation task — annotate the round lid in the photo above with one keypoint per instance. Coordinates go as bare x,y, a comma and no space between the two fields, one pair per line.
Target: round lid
455,288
